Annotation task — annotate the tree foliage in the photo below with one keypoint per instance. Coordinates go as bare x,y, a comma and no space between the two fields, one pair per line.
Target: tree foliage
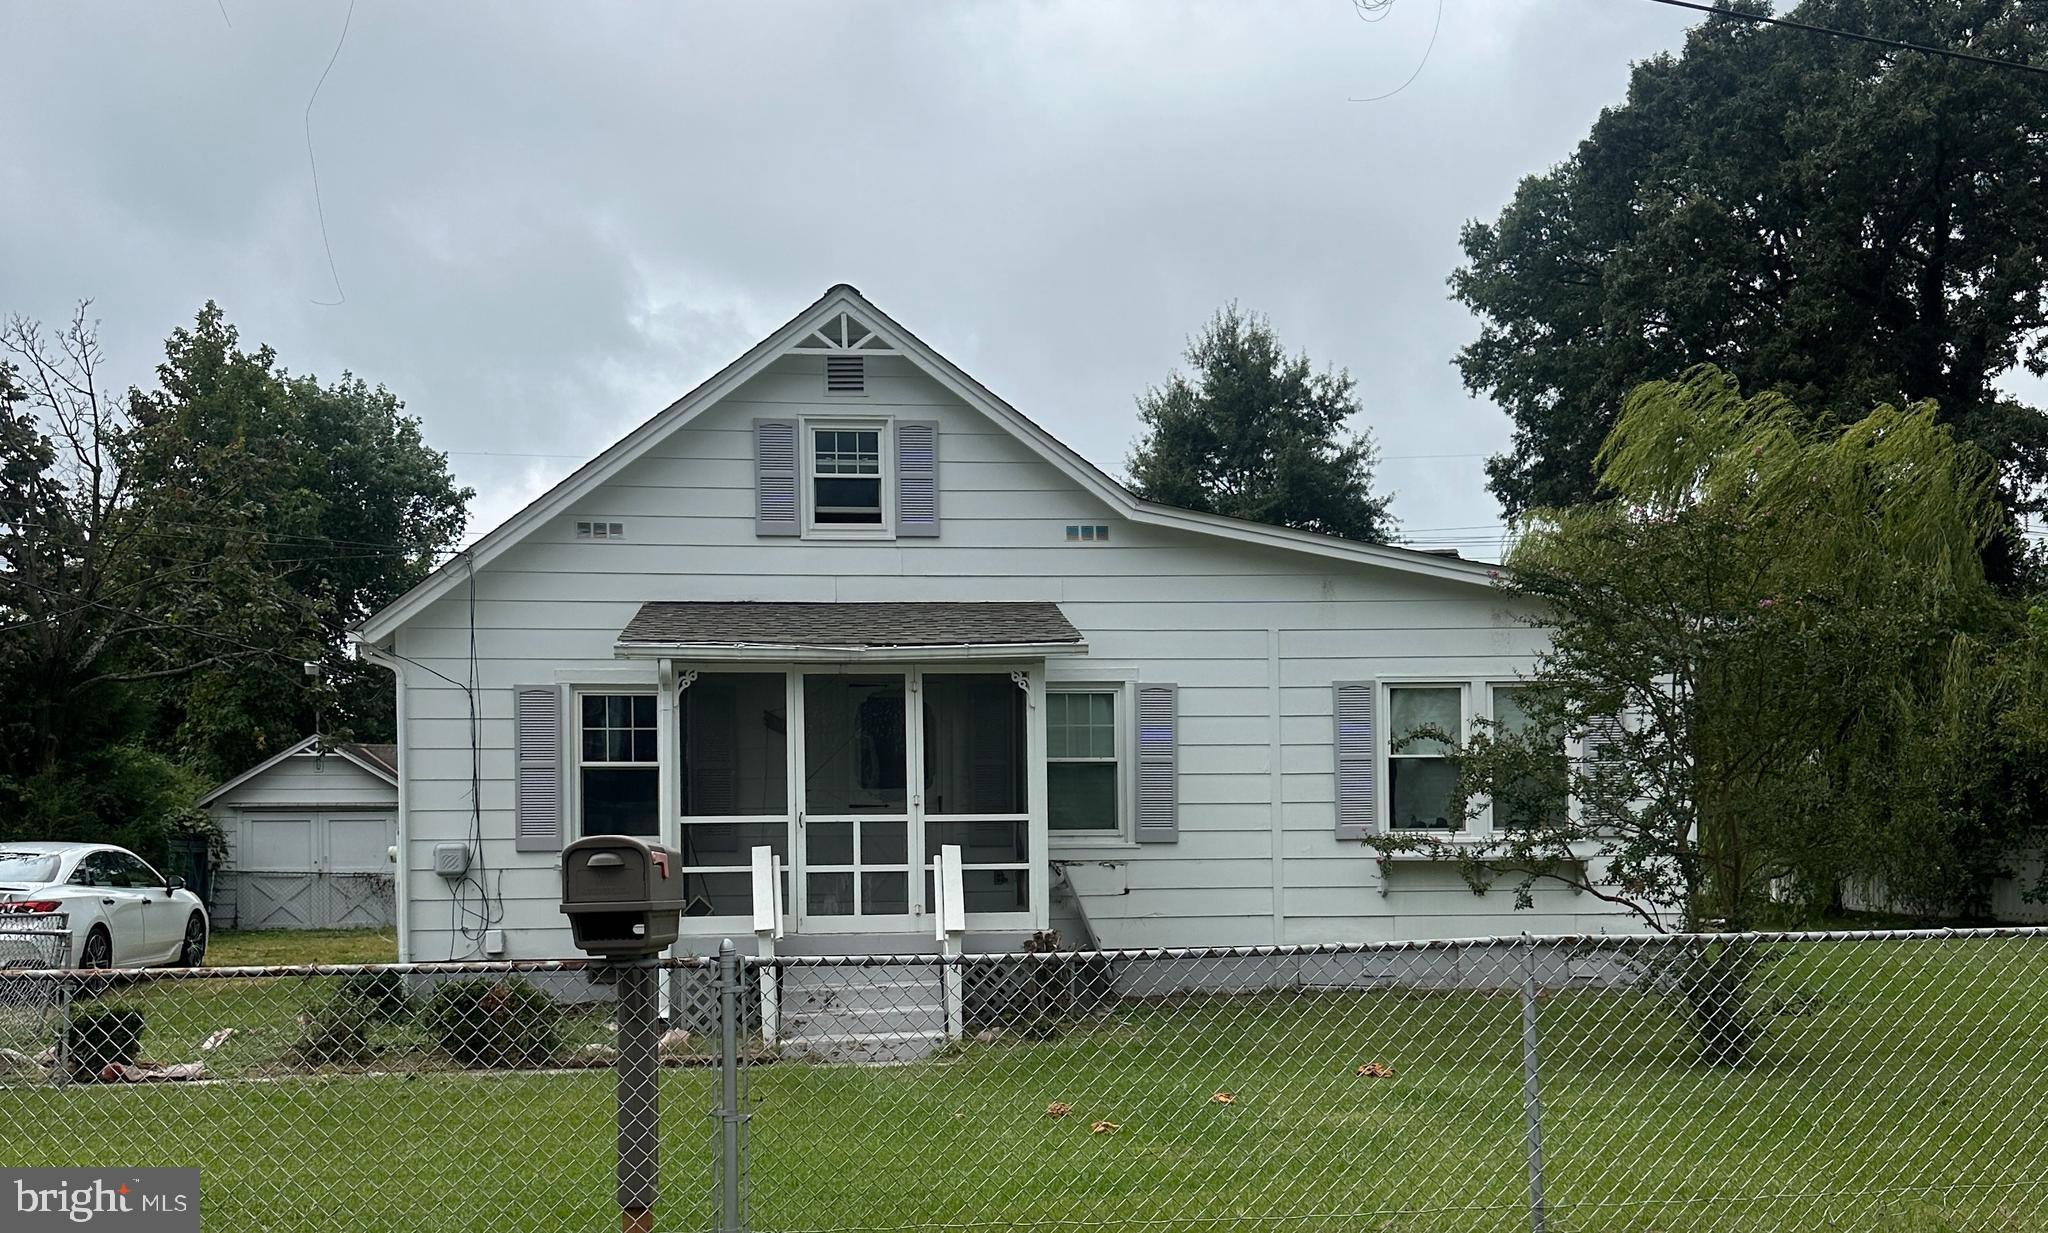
1778,665
334,499
169,559
1252,432
1838,222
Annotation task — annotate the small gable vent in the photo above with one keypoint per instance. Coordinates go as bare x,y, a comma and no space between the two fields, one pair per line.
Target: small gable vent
846,374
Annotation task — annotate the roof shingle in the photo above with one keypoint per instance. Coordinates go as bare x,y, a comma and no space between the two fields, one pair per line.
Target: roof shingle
849,625
385,756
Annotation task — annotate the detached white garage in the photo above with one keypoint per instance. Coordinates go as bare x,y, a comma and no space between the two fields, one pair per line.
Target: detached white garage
309,837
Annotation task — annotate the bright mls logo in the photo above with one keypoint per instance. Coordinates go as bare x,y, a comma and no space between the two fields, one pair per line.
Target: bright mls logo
102,1200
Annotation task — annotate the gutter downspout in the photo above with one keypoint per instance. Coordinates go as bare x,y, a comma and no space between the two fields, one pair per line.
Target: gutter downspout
401,878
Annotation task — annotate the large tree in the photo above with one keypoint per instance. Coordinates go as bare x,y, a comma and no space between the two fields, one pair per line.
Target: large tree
330,490
1253,432
169,560
83,634
1843,223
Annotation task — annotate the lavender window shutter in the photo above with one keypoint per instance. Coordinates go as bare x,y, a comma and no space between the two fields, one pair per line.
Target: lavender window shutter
1357,759
1158,764
537,763
776,475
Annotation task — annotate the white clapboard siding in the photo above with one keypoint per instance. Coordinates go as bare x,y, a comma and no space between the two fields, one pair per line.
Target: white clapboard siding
1253,638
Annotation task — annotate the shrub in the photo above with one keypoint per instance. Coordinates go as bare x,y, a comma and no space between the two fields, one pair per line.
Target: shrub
381,994
97,1041
336,1032
494,1022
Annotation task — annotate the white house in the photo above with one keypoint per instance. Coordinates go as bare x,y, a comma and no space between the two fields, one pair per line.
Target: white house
309,835
843,600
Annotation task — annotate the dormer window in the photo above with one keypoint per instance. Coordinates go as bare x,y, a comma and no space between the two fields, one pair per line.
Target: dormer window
846,475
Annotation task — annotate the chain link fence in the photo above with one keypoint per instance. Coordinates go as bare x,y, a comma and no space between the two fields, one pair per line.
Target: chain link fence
1879,1082
30,997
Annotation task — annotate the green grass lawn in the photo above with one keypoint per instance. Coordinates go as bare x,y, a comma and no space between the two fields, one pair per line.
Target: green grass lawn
231,948
1898,1088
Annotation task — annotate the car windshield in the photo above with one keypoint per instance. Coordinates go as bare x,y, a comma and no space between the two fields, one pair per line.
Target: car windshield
27,866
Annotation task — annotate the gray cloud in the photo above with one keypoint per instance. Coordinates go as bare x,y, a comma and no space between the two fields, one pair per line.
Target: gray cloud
549,220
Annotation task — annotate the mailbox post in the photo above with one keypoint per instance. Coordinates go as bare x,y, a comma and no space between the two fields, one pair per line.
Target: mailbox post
623,898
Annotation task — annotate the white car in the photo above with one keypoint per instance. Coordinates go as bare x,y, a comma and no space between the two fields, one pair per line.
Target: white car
121,912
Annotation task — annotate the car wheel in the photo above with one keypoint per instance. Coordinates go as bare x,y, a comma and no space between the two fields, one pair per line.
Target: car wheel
194,952
99,949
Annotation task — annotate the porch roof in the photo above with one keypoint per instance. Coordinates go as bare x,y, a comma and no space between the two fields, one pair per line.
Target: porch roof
849,631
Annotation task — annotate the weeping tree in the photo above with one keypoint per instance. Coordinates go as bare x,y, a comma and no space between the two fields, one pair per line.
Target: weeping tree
1745,640
1961,802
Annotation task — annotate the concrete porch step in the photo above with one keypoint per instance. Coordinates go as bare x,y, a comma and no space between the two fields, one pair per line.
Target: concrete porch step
865,1048
861,986
863,1014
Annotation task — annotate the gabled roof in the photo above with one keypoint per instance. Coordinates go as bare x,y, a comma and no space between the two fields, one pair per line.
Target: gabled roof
377,757
378,760
845,299
852,630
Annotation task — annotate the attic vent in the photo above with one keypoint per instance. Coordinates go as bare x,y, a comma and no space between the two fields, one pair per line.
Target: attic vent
846,374
600,530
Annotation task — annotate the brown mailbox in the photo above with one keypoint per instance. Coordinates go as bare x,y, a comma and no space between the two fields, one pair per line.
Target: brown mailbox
623,896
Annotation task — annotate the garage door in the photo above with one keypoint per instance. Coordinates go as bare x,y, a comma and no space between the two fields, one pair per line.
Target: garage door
358,870
275,886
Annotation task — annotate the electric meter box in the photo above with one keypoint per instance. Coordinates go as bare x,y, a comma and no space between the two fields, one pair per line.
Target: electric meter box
623,896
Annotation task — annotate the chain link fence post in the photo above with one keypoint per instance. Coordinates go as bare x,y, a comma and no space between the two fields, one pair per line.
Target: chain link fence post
63,1044
639,1096
1532,1098
729,1114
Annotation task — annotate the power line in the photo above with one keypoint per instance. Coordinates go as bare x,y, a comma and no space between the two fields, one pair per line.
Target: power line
341,297
1419,65
180,529
583,458
1896,44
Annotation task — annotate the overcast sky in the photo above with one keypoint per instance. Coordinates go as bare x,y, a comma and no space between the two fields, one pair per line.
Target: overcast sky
548,221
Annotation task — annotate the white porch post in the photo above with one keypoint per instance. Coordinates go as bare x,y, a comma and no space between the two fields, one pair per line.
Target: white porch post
668,754
1039,843
668,796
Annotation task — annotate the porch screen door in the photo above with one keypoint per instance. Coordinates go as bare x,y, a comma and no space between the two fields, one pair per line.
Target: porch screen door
854,839
733,785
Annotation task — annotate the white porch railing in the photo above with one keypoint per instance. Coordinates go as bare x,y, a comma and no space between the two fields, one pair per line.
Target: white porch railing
768,931
949,924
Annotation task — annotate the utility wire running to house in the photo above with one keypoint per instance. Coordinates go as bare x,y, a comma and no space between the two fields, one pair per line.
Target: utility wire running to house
1896,44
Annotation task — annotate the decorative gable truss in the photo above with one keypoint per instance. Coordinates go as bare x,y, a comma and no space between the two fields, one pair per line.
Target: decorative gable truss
845,332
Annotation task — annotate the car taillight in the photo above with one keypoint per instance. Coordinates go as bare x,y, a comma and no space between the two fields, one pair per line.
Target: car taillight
29,907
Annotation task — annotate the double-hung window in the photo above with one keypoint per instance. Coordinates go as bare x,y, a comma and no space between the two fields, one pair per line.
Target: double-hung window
846,475
1532,798
1421,779
1425,719
1083,778
618,780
